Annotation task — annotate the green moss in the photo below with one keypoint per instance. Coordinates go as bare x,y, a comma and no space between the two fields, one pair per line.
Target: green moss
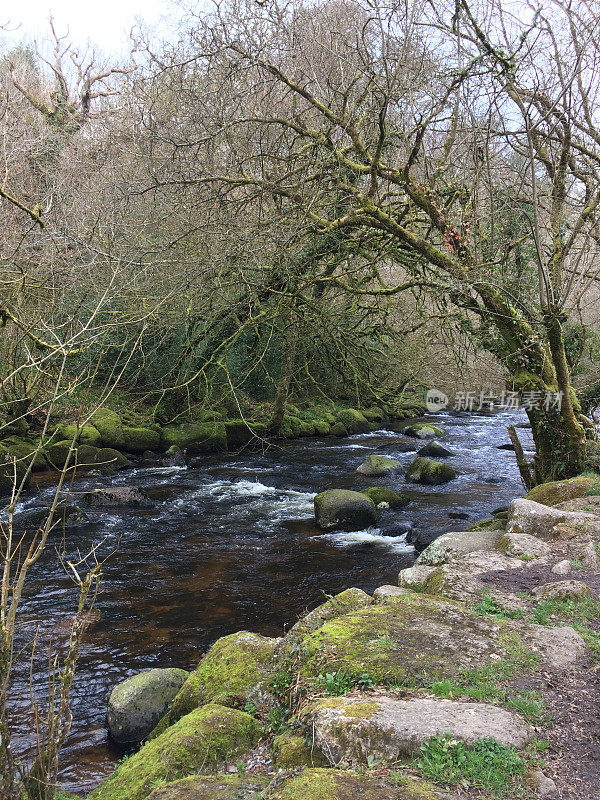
322,427
490,524
110,427
137,440
218,787
423,430
420,633
338,429
242,663
374,414
87,434
332,784
240,433
202,742
204,437
291,751
353,421
343,603
361,710
379,494
550,494
429,472
24,450
292,427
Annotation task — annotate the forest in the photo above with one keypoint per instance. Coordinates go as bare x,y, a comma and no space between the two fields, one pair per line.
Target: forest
286,220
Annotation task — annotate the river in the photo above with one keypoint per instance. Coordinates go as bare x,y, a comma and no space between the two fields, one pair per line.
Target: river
229,543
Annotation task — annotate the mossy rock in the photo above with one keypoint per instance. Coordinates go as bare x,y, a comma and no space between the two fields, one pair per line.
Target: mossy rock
138,440
204,741
291,751
205,437
343,603
338,429
86,434
353,421
555,492
413,641
213,787
240,433
333,784
110,427
380,494
342,508
24,451
374,414
423,430
322,428
429,472
377,465
242,663
292,427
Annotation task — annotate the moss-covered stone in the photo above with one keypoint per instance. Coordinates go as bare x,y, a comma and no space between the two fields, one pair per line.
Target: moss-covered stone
338,429
353,421
108,458
202,742
110,427
291,751
333,784
86,434
25,450
322,427
380,494
374,414
423,430
213,787
377,465
429,472
138,440
415,640
342,508
205,437
555,492
240,433
489,524
343,603
292,427
242,663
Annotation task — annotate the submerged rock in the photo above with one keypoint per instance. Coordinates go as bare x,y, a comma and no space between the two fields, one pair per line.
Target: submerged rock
435,450
341,508
204,741
136,704
429,472
378,465
355,728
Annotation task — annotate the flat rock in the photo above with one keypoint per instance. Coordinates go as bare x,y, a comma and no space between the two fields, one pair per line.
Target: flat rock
352,729
562,590
523,544
535,519
454,544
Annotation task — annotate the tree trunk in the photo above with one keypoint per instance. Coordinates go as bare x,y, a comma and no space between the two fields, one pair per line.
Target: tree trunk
285,378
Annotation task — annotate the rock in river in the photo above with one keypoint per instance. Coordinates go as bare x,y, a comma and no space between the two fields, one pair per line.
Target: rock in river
341,508
378,465
427,471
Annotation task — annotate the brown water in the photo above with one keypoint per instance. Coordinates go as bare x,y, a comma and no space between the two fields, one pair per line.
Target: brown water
230,543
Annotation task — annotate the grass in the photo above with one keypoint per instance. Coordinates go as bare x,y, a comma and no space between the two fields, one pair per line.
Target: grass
483,765
488,607
338,683
581,613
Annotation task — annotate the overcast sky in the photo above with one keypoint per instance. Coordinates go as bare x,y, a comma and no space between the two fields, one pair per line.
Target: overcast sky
105,23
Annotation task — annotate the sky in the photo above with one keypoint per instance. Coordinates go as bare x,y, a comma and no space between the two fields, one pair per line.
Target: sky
104,23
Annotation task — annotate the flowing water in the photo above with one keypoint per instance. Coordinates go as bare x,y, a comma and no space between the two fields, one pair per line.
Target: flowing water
230,543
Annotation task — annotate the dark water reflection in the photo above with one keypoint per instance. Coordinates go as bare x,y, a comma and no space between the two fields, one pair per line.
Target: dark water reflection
230,543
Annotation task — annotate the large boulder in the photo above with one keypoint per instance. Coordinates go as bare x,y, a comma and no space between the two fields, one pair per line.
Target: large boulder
204,741
138,440
136,704
378,465
108,424
550,494
25,451
562,590
429,472
435,450
341,508
239,433
454,544
353,421
343,603
522,545
240,664
535,519
423,430
416,639
85,434
354,729
381,494
204,437
213,787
